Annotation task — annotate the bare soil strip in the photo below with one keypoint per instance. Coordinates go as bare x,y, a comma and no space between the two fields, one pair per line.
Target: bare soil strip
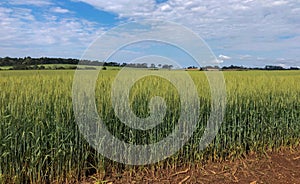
279,167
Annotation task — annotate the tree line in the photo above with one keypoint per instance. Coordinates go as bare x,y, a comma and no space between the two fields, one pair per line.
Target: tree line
28,63
240,68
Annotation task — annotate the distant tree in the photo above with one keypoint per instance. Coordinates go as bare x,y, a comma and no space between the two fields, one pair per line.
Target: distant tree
152,66
294,68
192,67
271,67
144,65
232,67
167,66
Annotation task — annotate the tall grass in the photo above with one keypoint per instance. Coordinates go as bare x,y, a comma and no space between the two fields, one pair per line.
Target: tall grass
41,143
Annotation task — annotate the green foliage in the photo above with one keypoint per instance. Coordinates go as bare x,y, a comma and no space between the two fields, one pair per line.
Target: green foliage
40,141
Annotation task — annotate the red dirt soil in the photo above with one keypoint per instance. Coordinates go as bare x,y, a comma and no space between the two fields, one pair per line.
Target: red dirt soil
280,167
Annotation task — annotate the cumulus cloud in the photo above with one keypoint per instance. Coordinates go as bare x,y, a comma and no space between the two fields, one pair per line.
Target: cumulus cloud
283,65
228,26
223,57
23,34
219,61
277,3
245,56
124,8
59,10
233,27
30,2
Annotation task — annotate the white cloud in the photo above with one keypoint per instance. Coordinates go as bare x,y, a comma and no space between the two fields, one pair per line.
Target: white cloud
246,56
278,3
219,61
124,8
283,65
22,34
165,8
30,2
229,26
240,7
233,27
260,58
59,10
223,57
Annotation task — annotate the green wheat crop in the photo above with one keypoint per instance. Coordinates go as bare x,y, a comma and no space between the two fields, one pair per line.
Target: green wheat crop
41,143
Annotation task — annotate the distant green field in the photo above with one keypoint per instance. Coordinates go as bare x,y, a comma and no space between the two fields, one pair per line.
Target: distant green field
40,141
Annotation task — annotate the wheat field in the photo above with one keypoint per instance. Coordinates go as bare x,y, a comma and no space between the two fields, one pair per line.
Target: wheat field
40,141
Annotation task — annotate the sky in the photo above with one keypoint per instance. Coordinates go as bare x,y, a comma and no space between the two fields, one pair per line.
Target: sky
239,32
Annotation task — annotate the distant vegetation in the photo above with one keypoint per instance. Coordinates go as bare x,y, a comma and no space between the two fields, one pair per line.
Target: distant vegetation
28,63
240,68
267,67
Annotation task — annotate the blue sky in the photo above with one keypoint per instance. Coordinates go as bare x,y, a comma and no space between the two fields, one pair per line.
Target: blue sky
240,32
